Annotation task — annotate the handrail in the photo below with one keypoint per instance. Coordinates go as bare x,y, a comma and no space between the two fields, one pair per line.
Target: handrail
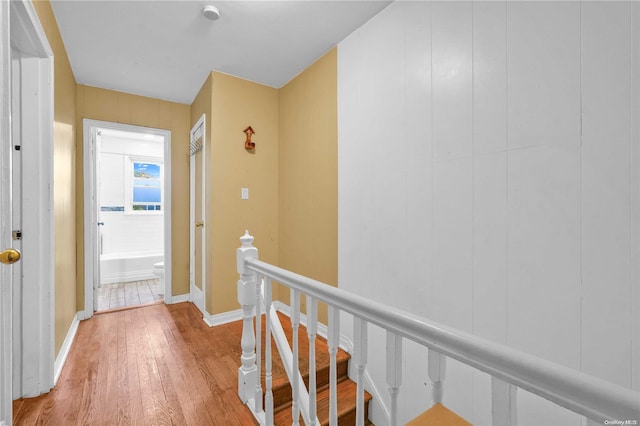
592,397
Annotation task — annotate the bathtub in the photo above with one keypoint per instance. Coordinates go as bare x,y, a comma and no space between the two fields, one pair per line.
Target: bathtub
128,266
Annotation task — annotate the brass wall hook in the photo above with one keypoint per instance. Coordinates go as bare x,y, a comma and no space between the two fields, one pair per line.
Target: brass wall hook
247,143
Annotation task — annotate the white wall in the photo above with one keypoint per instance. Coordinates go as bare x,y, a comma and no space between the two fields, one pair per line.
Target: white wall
123,232
489,180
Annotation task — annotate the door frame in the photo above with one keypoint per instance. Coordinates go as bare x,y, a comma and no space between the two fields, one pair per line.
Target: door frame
197,296
92,256
21,29
6,293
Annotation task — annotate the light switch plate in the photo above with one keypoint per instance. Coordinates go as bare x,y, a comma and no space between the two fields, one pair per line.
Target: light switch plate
245,193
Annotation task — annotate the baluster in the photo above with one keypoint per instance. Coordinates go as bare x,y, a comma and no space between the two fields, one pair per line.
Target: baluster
312,328
394,372
267,349
503,402
360,359
295,322
258,391
437,368
333,337
247,376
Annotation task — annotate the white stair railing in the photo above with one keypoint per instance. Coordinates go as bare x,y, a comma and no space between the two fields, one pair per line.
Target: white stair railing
252,294
595,399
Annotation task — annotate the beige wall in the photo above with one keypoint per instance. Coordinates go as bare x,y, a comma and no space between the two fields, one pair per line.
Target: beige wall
308,175
236,104
291,175
64,161
118,107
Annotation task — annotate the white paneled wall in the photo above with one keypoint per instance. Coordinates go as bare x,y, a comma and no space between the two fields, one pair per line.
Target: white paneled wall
606,181
634,294
488,179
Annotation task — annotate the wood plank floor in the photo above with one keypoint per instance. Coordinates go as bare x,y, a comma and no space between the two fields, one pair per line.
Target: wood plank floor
120,295
153,365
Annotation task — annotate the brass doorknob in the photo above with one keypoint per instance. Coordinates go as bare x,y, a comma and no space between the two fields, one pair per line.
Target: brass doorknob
9,256
199,224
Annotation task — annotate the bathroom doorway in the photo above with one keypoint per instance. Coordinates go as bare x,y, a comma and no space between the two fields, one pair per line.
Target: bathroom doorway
127,216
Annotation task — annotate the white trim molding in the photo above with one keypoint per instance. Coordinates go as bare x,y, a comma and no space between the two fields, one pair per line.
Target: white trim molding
90,207
197,143
197,297
180,298
66,347
223,318
32,113
6,275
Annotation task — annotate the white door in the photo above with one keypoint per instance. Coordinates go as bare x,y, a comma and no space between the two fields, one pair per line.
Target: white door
95,203
91,219
16,218
6,346
197,261
26,138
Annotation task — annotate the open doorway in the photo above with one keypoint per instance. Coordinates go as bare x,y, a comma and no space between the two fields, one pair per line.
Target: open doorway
127,216
130,181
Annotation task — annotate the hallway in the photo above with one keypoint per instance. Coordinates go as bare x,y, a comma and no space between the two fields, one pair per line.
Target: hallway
158,364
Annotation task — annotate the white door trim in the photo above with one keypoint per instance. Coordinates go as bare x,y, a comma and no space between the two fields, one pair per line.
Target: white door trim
34,323
6,370
90,208
37,318
197,296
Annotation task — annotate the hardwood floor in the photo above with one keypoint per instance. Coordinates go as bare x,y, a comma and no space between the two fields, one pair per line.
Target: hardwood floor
120,295
153,365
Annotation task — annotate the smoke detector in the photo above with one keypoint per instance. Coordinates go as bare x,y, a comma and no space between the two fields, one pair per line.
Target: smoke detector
211,12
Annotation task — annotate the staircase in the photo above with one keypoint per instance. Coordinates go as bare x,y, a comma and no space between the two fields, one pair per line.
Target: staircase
510,369
282,388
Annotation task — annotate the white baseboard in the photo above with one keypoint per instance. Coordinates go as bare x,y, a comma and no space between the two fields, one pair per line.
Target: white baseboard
223,318
66,347
178,299
83,315
197,297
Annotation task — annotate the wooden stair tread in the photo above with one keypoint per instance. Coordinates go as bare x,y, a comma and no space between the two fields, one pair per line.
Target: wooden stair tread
280,382
282,389
438,415
346,405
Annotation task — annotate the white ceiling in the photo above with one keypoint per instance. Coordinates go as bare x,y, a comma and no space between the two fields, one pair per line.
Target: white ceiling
166,49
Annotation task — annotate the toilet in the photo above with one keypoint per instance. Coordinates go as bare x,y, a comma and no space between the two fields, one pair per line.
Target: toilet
158,271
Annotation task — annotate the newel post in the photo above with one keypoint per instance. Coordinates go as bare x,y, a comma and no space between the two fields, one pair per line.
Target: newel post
248,372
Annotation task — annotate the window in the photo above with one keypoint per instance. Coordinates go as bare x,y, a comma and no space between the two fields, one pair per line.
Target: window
145,187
